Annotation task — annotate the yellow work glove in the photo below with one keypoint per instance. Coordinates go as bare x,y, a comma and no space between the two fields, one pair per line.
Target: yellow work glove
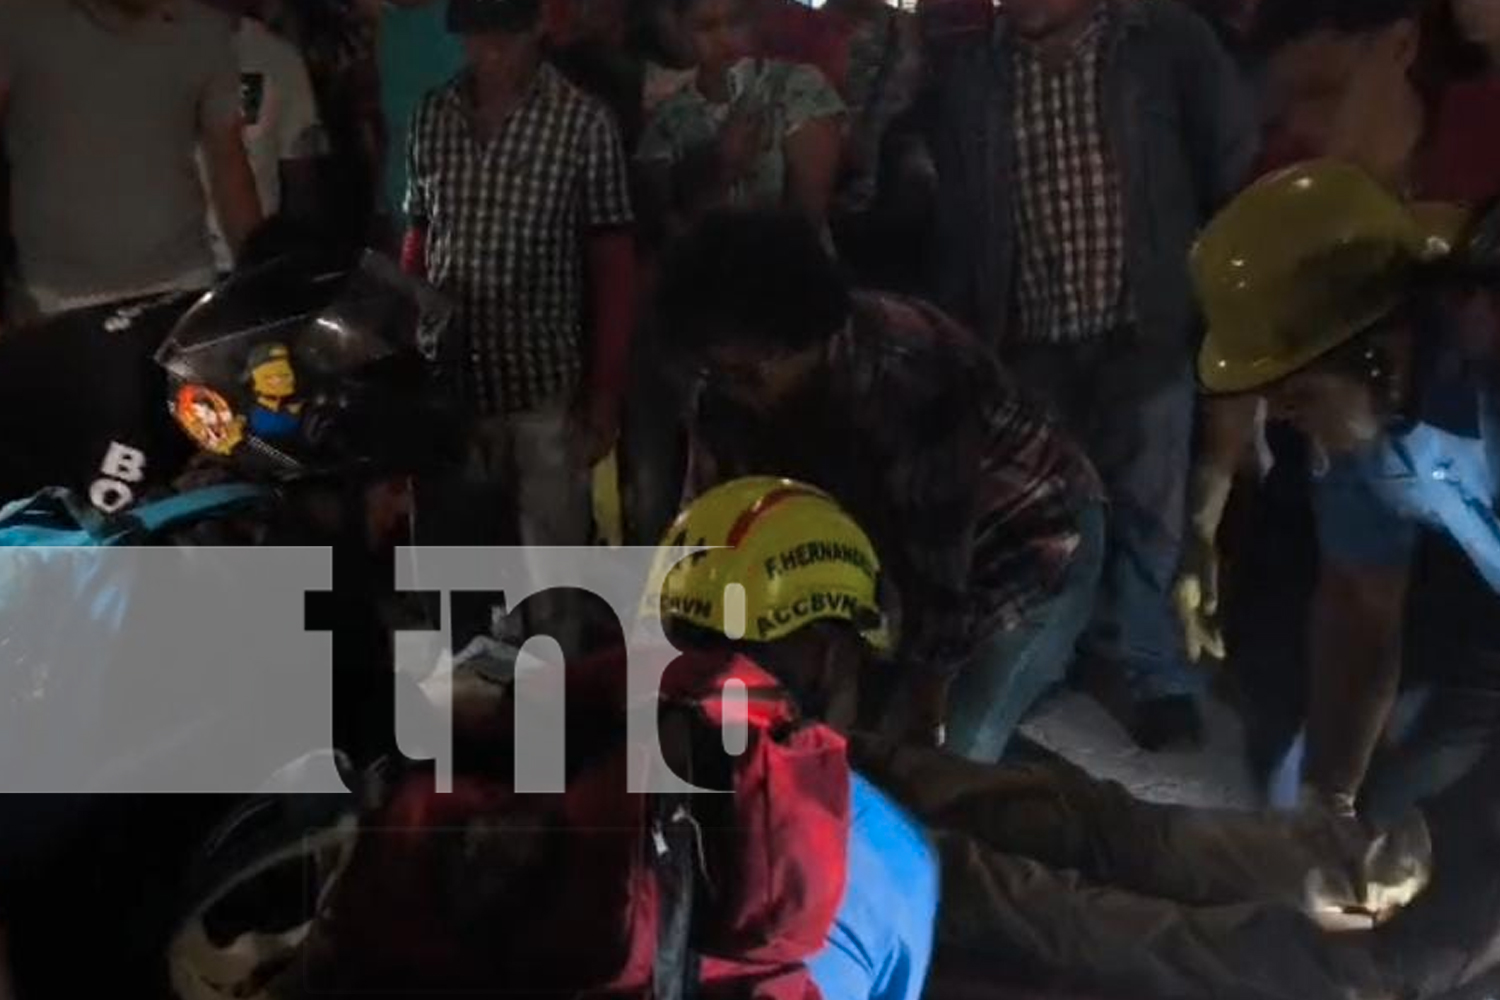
609,521
1197,599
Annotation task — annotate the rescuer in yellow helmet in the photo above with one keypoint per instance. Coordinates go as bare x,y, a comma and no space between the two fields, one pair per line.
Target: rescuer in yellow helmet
780,561
1059,878
1329,299
779,572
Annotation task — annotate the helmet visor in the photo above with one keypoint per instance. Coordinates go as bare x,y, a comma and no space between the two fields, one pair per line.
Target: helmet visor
266,366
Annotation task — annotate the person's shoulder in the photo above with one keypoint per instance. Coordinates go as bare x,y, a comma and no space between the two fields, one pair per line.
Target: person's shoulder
435,99
1172,22
663,83
585,116
562,93
684,100
677,119
805,89
440,93
792,72
914,328
258,45
914,360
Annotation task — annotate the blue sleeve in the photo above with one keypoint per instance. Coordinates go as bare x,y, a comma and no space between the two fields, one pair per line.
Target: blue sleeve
880,946
1356,527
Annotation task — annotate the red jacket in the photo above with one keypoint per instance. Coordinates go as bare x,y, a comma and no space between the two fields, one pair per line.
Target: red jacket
487,889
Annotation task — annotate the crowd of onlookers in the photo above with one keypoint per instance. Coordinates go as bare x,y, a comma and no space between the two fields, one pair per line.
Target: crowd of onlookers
1038,169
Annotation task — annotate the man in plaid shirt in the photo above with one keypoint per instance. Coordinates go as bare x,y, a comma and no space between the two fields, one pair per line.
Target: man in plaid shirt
519,210
1080,146
989,520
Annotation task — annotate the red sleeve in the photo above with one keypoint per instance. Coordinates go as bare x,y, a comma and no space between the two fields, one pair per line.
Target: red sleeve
414,252
612,288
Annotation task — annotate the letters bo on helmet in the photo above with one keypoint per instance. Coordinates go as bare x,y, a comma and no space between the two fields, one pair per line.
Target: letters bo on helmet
757,559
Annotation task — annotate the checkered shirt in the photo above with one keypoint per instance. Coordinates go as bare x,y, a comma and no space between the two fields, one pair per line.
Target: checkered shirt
972,497
1069,214
506,221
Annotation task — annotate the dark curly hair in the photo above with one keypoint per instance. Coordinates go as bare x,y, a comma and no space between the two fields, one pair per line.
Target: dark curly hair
762,278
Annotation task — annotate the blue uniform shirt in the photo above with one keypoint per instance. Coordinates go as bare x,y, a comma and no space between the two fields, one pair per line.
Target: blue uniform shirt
881,942
1370,505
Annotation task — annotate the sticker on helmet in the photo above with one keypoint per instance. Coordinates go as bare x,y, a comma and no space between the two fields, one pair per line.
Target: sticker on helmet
277,412
208,419
687,607
812,553
779,621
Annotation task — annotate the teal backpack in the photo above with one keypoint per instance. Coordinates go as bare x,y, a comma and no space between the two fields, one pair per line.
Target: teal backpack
58,517
66,616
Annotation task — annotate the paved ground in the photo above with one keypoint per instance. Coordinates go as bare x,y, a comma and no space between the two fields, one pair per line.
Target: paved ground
1075,726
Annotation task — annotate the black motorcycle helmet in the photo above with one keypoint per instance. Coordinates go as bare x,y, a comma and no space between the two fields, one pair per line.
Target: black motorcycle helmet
296,369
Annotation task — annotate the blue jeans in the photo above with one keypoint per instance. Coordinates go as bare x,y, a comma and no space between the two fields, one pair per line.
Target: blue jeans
1011,670
1133,415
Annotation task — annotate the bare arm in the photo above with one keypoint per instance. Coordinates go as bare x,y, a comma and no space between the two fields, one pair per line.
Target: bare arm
231,182
812,158
1229,424
1356,669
